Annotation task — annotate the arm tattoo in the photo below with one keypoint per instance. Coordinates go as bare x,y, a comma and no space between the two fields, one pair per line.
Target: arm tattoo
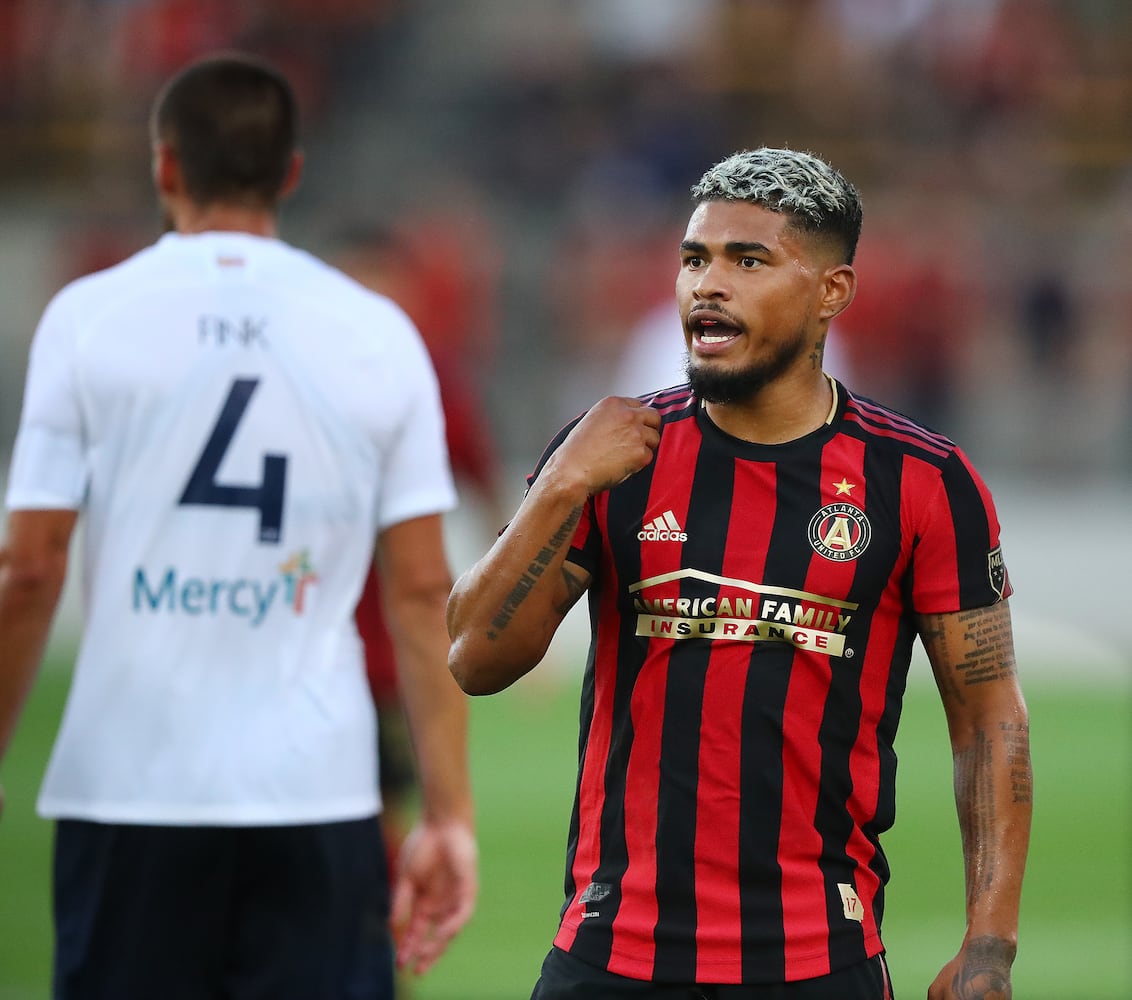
534,571
575,587
987,640
974,794
985,972
1016,740
934,636
984,654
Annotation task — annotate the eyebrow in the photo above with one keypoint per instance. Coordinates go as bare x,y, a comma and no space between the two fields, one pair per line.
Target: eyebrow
735,247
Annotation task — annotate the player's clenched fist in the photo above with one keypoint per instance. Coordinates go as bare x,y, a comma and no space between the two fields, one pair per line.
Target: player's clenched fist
617,437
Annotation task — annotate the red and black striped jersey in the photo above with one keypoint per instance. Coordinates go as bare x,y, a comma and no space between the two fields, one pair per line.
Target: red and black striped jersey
753,609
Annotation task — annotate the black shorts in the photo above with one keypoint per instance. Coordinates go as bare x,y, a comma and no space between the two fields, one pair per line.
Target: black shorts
221,913
565,977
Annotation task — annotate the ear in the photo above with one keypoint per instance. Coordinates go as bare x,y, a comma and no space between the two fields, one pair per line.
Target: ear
294,174
840,285
166,170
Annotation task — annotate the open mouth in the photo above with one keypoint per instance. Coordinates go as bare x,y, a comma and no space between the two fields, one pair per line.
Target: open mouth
707,335
709,328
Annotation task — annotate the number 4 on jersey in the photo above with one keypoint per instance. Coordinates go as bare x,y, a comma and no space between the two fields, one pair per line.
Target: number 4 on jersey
203,488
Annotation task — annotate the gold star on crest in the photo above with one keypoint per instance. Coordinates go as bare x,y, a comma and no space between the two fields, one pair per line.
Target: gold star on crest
845,488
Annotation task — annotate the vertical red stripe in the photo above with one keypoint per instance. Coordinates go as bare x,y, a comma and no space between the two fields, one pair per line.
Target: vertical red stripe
718,898
803,893
636,919
591,783
864,758
803,888
936,578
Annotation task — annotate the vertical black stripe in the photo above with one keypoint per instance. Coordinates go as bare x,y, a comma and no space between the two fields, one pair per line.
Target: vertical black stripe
706,525
841,720
626,510
972,535
788,554
886,735
585,718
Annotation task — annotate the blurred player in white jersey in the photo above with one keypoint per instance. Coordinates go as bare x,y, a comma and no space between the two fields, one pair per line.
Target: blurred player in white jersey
240,426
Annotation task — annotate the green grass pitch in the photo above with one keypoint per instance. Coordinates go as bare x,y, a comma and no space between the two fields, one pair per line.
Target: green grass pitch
1076,934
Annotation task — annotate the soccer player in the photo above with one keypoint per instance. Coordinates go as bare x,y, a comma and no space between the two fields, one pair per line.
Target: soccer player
241,426
760,548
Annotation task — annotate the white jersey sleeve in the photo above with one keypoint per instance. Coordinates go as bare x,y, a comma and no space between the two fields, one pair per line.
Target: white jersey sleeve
48,468
413,461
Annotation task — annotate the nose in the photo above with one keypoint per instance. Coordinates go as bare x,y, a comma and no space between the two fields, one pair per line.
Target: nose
710,282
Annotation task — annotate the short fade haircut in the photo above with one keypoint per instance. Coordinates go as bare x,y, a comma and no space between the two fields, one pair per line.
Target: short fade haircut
820,200
232,121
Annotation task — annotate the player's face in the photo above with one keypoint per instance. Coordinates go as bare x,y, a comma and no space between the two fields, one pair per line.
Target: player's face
751,292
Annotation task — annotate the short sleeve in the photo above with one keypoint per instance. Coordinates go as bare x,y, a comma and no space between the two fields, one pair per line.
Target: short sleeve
417,477
49,469
957,560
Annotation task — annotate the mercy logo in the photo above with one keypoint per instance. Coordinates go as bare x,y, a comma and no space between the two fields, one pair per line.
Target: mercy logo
241,597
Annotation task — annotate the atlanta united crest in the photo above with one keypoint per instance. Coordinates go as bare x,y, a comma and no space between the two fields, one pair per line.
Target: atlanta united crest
840,532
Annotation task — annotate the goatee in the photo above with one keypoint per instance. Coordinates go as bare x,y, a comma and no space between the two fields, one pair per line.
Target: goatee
715,384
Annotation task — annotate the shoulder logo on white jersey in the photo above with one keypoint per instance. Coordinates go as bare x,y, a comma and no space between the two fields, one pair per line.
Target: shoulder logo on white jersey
663,529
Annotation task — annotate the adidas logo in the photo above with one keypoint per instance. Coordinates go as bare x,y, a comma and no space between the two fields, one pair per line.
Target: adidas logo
663,529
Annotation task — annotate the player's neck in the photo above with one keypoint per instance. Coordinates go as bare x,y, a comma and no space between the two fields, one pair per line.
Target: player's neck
783,411
189,219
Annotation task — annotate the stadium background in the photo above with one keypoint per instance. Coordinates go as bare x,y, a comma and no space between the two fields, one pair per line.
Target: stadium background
516,172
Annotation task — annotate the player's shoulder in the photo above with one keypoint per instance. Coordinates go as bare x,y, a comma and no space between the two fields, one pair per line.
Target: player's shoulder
94,285
326,287
82,300
887,428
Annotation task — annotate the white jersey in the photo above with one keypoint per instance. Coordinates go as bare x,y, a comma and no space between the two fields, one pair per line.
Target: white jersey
237,420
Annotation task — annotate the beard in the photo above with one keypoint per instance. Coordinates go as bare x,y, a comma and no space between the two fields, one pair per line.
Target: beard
715,384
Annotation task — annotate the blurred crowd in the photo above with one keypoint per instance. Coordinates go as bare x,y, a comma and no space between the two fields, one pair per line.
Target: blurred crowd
516,174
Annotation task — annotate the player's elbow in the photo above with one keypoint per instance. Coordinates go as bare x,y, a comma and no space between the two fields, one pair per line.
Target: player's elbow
483,672
31,583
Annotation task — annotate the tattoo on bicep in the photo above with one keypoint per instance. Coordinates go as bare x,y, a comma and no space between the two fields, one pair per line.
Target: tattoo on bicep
986,652
534,571
985,972
934,637
974,796
987,641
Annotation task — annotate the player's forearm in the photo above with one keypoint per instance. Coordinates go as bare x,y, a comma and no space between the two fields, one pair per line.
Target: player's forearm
993,790
504,611
436,709
28,598
440,746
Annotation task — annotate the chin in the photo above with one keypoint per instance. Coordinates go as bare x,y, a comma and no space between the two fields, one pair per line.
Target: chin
724,385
